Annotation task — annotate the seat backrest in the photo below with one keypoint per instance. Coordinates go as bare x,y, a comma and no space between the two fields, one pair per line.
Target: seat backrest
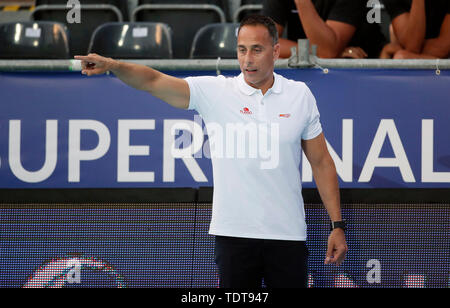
121,5
33,40
90,17
247,7
215,40
223,4
184,20
132,40
219,3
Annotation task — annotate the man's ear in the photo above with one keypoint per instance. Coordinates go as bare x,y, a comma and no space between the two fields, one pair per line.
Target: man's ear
276,51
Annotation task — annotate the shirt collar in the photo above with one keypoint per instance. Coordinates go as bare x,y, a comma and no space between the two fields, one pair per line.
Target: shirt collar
249,90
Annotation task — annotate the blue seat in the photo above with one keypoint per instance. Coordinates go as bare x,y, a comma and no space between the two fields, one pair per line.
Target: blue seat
215,40
132,40
33,40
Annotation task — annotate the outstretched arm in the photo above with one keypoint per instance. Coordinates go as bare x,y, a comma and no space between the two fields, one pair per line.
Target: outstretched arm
325,176
172,90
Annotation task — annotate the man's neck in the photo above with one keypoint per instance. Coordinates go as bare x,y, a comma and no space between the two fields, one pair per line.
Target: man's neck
265,86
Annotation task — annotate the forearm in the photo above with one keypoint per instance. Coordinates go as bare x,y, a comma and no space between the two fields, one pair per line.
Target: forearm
317,31
404,54
135,75
437,48
172,90
413,35
327,184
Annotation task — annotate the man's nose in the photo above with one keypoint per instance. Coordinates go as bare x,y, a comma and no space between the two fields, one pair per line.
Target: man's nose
248,58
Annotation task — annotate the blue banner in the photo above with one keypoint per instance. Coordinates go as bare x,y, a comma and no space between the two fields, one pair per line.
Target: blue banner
385,129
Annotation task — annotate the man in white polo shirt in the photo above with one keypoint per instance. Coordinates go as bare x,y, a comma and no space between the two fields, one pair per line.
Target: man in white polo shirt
255,196
258,212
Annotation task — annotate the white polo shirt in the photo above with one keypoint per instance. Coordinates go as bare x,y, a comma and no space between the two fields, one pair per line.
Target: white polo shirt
255,145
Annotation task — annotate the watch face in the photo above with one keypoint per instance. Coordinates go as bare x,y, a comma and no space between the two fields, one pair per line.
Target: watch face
338,224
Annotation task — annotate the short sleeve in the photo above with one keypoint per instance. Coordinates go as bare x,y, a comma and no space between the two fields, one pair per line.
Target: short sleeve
277,10
348,11
313,127
397,7
203,92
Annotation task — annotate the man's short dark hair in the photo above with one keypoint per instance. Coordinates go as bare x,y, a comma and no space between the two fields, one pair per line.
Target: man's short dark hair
267,22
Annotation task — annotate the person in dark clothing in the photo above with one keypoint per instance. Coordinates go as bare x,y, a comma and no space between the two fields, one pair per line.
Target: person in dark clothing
420,29
338,27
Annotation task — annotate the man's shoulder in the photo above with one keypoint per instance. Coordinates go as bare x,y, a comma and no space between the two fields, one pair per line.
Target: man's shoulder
209,81
292,84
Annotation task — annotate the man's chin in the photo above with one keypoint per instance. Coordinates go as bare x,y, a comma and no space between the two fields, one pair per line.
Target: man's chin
252,83
252,79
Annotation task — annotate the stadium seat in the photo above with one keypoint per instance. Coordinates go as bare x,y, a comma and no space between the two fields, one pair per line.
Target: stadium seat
224,5
184,20
93,13
218,3
132,41
247,7
33,40
215,40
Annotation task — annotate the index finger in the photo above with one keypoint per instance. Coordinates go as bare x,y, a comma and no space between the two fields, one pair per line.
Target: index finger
85,58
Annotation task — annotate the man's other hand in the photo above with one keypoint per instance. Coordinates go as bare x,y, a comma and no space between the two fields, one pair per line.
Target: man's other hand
337,247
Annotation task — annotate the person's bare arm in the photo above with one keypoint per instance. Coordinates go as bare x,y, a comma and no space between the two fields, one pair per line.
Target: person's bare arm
436,48
389,50
410,28
285,44
170,89
331,37
439,47
325,175
404,54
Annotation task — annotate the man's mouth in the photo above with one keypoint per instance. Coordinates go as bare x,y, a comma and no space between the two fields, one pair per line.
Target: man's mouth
251,70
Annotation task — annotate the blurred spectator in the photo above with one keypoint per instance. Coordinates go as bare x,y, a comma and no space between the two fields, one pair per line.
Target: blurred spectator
338,27
420,29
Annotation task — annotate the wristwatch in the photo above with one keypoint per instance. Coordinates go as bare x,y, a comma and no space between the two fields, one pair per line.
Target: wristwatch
338,224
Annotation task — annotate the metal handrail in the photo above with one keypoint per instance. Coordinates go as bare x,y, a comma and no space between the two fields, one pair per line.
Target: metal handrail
229,64
439,64
158,64
302,57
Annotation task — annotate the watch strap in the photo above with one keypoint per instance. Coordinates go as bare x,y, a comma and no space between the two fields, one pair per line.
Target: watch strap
338,224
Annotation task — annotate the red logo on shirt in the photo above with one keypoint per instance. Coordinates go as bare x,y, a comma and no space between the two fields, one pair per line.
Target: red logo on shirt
246,111
285,115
